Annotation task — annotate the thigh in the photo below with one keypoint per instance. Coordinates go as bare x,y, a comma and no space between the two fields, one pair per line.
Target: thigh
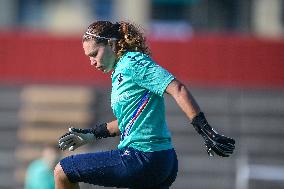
102,168
127,168
159,170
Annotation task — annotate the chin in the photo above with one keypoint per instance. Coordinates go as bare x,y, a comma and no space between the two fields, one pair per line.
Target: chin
106,71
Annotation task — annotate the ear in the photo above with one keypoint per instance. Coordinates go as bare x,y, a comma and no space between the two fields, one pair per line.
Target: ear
112,43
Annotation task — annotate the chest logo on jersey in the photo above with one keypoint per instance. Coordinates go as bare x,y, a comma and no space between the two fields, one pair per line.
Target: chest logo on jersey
119,78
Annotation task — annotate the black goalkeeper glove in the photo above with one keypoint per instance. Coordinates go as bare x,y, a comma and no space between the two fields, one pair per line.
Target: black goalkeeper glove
214,142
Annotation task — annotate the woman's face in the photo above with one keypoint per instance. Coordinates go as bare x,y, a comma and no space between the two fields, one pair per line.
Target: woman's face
101,56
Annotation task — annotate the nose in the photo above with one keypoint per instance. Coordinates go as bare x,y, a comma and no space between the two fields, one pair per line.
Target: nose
93,62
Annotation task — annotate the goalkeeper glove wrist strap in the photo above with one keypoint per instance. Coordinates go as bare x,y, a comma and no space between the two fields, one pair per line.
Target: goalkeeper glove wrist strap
101,131
201,125
199,122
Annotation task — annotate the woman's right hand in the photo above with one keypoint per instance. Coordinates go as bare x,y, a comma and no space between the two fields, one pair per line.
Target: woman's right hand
75,138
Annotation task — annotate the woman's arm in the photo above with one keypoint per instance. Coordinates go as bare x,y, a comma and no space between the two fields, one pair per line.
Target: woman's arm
183,98
214,142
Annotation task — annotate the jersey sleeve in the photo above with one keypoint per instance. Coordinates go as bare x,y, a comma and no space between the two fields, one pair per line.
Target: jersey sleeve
147,74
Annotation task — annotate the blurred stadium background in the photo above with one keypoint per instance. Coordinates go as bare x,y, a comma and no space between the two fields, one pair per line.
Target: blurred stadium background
229,53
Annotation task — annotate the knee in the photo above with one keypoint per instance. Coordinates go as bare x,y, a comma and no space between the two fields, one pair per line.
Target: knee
59,174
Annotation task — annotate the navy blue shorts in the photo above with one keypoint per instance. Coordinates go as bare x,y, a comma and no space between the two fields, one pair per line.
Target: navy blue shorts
124,168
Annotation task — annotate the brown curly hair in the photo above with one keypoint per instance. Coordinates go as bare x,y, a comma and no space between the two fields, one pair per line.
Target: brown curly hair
127,36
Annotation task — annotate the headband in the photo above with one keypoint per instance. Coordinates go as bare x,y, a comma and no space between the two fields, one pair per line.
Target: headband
100,37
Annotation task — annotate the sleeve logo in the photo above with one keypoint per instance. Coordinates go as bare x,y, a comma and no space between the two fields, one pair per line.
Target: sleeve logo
119,78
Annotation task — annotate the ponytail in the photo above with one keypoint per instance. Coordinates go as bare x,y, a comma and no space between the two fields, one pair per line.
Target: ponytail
132,39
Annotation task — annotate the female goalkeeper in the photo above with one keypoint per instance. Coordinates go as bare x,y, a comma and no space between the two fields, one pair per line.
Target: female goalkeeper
145,157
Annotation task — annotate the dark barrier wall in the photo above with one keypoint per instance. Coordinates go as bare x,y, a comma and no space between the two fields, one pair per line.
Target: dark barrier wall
223,61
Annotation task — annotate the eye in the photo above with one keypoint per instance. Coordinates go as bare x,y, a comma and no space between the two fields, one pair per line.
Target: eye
94,54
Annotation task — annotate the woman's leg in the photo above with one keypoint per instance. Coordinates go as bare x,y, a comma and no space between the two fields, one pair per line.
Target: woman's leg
61,180
126,168
100,168
160,160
